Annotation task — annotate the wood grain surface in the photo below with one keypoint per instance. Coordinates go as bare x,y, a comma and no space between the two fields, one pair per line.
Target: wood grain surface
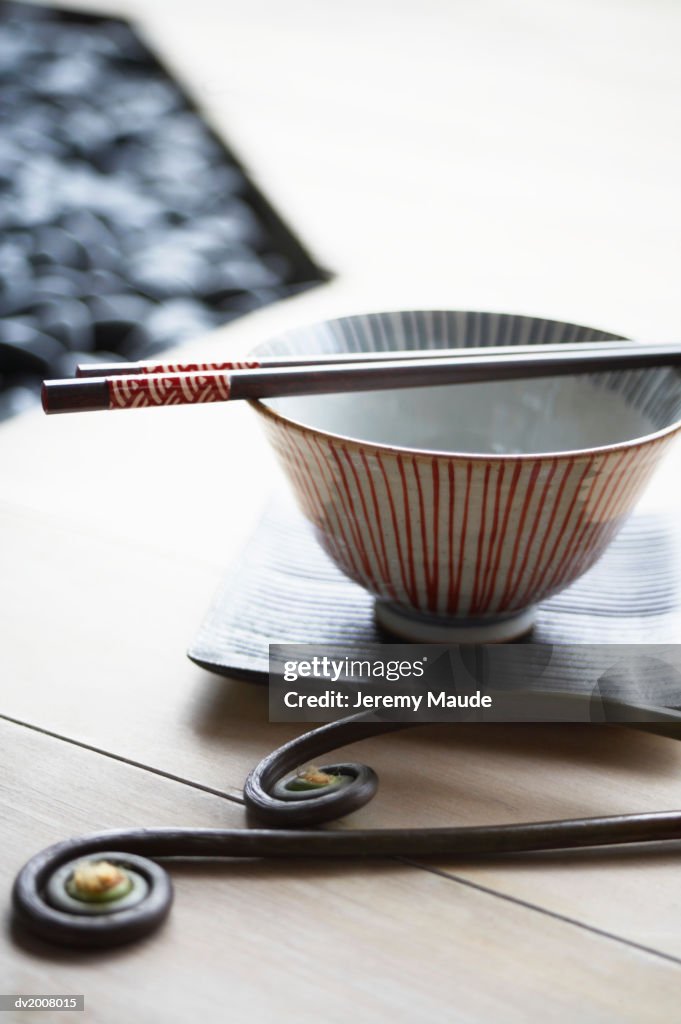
433,155
389,940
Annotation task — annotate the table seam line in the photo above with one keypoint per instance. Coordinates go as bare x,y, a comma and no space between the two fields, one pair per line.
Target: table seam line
202,787
556,915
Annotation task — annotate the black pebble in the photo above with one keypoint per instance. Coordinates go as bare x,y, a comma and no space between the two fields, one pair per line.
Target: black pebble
111,334
70,322
24,347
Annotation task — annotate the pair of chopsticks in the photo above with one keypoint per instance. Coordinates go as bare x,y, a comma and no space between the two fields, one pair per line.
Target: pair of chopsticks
136,385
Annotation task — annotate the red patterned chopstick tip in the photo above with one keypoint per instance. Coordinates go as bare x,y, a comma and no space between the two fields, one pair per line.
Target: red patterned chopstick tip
146,390
241,364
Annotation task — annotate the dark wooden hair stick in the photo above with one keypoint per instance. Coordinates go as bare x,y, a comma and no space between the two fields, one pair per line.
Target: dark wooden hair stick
140,390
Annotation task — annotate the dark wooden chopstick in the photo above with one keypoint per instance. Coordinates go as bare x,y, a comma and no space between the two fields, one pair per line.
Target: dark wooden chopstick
140,390
324,359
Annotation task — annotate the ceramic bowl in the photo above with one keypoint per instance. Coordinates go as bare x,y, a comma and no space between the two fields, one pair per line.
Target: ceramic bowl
460,507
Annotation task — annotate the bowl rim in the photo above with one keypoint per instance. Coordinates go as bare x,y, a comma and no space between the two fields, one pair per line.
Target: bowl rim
428,453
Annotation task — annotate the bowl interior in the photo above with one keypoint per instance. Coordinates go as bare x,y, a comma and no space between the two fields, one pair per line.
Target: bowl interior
500,417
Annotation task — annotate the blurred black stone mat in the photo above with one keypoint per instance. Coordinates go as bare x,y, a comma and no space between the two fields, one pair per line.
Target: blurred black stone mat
126,224
285,589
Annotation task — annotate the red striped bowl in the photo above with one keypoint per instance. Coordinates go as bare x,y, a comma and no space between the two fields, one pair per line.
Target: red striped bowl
461,507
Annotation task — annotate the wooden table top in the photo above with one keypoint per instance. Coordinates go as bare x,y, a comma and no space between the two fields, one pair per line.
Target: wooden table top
462,156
